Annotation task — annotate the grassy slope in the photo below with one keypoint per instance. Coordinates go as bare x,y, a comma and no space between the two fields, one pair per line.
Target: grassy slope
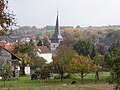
24,83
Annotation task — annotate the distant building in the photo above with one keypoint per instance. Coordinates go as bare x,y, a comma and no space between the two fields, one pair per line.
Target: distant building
56,37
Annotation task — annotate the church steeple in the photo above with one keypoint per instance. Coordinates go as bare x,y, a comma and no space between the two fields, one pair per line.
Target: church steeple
57,28
56,38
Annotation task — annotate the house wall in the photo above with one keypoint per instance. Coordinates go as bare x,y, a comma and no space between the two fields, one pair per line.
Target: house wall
46,56
4,56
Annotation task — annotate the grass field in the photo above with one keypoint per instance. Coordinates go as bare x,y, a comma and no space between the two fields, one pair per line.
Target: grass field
25,83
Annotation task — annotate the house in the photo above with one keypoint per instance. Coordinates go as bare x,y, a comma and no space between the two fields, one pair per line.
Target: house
7,56
44,52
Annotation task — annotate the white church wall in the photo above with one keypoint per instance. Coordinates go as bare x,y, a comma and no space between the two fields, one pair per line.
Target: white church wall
54,46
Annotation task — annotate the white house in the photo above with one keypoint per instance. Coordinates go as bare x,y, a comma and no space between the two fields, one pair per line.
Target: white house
45,53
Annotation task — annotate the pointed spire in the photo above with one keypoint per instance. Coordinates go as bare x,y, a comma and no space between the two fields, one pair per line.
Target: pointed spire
56,38
57,28
57,11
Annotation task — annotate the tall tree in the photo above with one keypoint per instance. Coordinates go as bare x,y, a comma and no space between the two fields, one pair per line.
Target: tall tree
6,19
99,62
112,60
25,51
62,59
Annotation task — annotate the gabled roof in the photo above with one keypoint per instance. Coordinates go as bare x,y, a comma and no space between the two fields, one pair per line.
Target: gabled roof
13,56
43,49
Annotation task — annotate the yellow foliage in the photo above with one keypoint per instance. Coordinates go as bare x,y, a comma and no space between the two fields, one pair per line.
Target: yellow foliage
25,60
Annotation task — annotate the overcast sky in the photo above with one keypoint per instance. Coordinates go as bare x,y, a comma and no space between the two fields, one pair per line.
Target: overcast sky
71,12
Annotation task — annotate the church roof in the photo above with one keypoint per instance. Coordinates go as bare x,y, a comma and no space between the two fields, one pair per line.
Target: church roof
56,36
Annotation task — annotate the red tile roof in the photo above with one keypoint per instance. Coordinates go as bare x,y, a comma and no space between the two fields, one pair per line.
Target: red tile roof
43,49
9,47
2,43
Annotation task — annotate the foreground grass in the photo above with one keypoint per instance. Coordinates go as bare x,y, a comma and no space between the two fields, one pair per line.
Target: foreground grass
24,83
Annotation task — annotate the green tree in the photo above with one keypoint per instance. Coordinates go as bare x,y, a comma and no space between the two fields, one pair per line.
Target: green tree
62,59
114,35
85,47
38,62
26,48
40,42
82,65
46,42
112,60
5,70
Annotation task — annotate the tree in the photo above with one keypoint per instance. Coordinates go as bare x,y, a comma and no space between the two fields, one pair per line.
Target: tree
62,59
85,47
113,35
112,60
5,70
82,65
99,62
24,61
25,51
40,42
46,41
26,48
38,62
6,19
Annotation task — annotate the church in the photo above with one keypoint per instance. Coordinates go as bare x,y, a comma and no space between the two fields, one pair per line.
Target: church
56,37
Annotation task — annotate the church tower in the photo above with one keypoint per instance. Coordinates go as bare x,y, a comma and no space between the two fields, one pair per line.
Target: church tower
56,37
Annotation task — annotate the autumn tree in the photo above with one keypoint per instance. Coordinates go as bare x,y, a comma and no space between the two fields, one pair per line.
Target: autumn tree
82,65
99,62
112,60
6,19
27,53
25,60
68,32
62,59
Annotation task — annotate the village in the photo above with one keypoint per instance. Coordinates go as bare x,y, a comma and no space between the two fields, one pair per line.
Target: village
56,57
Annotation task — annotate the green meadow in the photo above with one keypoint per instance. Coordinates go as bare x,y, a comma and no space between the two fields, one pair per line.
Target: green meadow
25,83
